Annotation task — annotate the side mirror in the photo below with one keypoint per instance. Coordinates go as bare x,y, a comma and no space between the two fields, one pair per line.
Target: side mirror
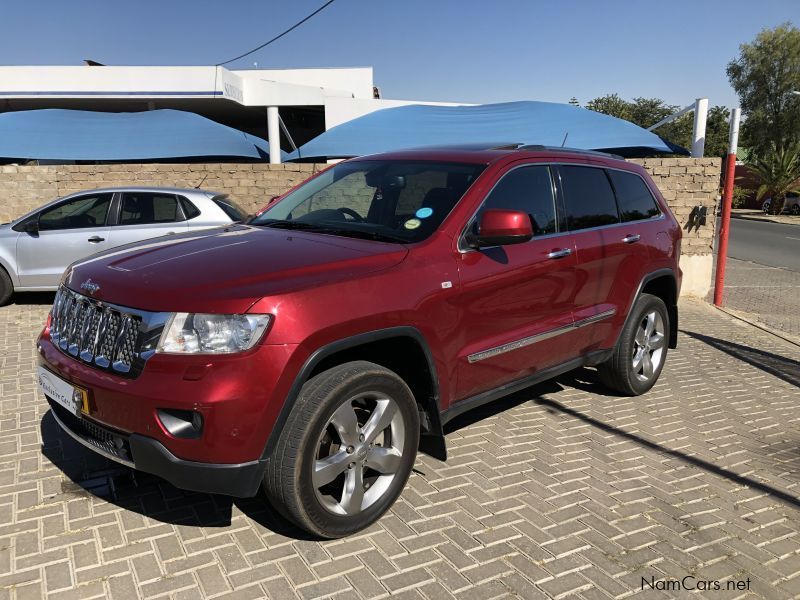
500,227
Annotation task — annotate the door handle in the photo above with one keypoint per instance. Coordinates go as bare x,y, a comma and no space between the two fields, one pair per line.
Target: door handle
560,253
96,239
631,239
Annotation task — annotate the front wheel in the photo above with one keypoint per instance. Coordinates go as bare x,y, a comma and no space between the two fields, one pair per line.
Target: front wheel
641,350
795,209
346,450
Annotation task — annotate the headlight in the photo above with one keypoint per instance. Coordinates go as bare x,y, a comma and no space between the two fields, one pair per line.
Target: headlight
195,333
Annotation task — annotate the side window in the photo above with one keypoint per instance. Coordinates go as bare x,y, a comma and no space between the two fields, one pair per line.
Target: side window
230,208
588,197
143,208
634,198
529,190
190,211
78,213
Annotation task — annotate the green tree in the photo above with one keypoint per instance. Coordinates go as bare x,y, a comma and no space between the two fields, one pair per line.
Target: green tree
778,168
646,112
764,74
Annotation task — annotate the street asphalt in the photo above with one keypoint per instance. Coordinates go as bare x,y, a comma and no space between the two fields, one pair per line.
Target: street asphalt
766,243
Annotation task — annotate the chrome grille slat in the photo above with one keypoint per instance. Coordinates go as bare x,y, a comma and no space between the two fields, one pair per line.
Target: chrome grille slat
101,335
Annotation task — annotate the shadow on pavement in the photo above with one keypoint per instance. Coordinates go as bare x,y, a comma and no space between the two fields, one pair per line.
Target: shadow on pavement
774,364
33,298
92,475
555,407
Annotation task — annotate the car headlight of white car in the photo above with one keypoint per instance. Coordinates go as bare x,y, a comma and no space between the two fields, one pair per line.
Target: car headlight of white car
198,333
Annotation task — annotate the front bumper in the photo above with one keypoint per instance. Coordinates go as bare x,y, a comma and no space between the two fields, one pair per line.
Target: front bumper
238,396
150,456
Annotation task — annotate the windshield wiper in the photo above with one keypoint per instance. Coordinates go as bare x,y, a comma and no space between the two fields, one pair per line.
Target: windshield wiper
365,235
285,224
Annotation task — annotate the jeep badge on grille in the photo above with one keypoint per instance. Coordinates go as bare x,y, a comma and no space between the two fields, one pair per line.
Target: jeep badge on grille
90,286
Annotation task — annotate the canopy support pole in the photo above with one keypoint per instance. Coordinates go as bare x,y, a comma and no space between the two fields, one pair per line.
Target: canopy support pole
699,128
274,135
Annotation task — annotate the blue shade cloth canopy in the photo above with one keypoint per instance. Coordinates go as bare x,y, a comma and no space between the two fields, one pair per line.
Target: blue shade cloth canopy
544,123
59,134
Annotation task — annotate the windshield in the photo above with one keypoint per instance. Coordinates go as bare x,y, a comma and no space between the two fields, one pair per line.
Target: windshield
392,201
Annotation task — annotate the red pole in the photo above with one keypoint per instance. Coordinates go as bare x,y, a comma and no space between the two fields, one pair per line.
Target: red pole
727,197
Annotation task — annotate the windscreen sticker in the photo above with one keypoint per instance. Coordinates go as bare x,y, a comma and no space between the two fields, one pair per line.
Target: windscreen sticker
412,223
424,212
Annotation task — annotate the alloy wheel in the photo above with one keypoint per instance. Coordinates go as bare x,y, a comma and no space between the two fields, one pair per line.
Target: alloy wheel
648,346
358,453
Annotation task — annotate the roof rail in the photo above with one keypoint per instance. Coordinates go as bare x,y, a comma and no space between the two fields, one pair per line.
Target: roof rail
540,148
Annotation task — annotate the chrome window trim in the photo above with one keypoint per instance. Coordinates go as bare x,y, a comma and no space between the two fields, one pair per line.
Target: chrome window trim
462,249
546,335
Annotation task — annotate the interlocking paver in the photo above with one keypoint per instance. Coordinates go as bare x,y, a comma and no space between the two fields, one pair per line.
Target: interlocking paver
563,490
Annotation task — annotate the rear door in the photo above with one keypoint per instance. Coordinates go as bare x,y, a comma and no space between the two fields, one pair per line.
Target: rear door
145,215
68,231
516,301
611,252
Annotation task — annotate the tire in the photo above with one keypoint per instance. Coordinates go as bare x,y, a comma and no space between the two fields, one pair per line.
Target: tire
765,207
329,427
626,371
6,287
795,209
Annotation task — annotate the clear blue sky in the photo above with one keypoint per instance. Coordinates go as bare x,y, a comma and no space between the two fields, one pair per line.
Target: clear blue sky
421,49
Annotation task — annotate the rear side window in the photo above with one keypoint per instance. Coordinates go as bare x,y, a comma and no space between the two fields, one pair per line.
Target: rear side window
529,190
634,198
229,207
143,208
588,197
190,211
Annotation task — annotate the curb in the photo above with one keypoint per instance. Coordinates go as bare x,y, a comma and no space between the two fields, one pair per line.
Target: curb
740,316
761,219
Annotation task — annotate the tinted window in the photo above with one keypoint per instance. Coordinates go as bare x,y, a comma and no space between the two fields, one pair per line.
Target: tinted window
229,207
142,208
85,211
633,197
190,211
588,196
529,190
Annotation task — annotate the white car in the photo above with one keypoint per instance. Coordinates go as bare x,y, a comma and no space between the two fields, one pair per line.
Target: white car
37,248
790,205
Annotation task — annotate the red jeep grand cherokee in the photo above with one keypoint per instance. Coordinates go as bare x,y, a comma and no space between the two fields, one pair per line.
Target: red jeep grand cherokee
313,350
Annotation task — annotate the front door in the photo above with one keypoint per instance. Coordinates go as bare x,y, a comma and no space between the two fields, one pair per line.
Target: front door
68,231
516,300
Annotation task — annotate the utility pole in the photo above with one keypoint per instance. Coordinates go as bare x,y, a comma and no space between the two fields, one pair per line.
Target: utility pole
727,198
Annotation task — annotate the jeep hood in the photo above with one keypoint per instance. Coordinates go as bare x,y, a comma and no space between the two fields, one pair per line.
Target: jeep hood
225,270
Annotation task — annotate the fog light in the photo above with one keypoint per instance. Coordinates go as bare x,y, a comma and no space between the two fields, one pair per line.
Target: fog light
186,424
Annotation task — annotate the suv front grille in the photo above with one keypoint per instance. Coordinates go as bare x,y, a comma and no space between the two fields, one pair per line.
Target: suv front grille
105,336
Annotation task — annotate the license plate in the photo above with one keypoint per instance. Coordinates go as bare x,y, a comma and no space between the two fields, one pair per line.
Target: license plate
73,398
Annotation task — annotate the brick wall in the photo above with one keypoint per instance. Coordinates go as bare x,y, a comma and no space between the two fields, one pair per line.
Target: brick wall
685,183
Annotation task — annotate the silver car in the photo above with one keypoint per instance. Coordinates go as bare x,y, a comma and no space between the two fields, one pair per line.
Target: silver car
37,248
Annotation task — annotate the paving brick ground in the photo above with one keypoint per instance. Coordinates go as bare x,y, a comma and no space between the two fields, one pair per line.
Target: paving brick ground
767,295
561,491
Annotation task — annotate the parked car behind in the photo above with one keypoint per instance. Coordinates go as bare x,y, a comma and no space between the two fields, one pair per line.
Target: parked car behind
790,205
36,248
313,350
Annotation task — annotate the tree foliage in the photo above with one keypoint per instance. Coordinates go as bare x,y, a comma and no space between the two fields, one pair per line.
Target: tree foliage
764,75
646,112
778,168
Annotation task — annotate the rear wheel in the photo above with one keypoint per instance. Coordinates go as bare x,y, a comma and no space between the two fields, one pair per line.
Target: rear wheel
6,287
641,350
346,450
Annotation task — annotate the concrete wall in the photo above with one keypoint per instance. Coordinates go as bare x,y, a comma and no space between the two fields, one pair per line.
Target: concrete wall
685,183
